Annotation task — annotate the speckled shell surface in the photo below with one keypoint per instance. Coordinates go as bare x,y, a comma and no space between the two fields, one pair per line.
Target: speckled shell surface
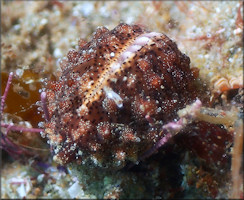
114,94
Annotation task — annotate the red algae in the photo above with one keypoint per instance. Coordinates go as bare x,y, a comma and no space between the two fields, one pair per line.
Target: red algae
208,141
108,89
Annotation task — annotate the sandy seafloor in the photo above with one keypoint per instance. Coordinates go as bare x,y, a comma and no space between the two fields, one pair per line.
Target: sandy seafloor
36,34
